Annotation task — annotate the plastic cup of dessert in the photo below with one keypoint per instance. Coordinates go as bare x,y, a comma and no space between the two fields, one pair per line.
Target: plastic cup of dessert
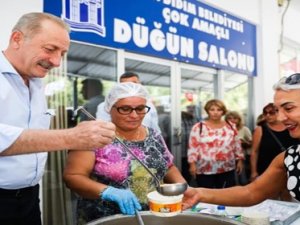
255,217
164,206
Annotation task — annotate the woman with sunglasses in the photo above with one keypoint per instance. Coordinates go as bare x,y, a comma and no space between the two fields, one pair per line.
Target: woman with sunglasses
111,181
270,138
283,172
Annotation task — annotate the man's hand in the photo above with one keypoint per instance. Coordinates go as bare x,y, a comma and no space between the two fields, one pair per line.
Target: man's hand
91,134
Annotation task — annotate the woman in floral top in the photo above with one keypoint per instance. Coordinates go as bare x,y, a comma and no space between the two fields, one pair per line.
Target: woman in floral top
215,152
111,181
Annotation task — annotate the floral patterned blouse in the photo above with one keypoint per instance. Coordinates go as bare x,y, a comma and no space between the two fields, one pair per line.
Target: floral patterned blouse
214,150
117,168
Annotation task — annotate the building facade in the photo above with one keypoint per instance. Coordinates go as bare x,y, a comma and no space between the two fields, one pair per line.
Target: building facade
174,80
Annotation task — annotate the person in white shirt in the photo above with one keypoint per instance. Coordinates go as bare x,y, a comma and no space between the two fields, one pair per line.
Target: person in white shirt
34,48
150,120
92,92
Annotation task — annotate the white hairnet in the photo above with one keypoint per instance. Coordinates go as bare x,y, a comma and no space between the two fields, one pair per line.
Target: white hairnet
124,90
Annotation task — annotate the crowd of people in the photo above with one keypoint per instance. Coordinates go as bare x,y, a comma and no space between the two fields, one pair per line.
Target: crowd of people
219,153
281,174
230,166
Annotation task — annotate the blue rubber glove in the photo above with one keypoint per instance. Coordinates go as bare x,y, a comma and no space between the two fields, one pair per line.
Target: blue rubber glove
126,200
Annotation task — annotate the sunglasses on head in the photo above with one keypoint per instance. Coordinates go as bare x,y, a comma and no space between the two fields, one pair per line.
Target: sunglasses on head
293,79
288,83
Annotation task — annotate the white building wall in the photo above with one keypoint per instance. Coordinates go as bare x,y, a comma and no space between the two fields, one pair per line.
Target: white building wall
265,15
246,9
10,12
291,30
268,54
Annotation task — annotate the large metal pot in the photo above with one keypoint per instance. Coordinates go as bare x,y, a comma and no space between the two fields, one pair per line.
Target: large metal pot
181,219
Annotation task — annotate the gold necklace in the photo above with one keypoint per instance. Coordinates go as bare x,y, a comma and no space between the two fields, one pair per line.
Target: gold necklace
137,137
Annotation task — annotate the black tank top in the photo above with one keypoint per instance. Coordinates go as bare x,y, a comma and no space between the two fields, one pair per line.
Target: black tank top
291,163
269,148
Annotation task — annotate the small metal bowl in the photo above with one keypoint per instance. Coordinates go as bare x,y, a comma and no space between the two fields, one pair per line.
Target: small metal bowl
172,189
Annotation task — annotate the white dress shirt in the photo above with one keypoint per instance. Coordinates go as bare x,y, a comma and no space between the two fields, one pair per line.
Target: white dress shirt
22,108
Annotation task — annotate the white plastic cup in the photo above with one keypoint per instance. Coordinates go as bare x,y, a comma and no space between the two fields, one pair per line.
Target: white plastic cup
252,217
164,206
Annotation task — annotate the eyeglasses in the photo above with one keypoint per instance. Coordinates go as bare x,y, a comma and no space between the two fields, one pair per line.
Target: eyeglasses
271,112
126,110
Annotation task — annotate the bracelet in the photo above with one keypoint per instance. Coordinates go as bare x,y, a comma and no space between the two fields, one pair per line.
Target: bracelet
101,192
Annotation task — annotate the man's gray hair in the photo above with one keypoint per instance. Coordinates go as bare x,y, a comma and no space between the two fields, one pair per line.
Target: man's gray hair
31,23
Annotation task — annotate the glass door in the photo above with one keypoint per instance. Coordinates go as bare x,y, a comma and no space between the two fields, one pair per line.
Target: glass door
155,75
197,87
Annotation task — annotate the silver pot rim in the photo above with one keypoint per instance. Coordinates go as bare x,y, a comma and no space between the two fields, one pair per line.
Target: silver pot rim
185,213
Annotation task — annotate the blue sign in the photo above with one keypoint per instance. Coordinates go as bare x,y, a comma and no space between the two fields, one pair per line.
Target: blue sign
183,30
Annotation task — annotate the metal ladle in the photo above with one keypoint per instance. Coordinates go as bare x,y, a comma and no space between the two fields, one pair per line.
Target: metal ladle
139,217
164,189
